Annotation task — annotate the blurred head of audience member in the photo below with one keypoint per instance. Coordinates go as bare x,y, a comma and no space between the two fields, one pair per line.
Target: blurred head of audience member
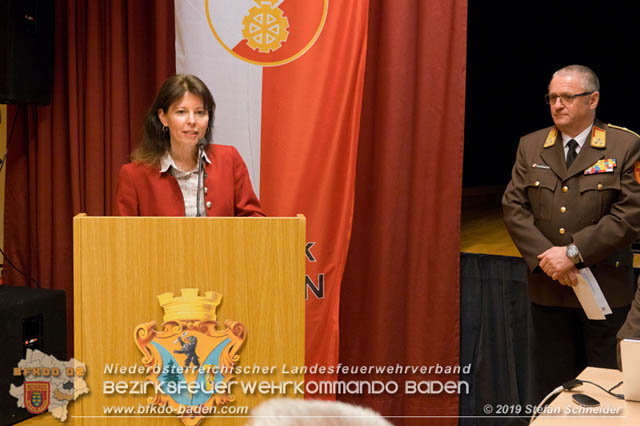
299,412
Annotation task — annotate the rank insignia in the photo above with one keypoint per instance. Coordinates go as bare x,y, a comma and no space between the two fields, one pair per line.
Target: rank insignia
602,166
36,397
551,138
190,358
598,137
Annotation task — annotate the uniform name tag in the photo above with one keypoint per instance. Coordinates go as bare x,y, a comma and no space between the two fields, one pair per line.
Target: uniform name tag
602,166
540,166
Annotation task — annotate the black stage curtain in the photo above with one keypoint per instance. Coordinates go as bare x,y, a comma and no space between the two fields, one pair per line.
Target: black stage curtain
495,321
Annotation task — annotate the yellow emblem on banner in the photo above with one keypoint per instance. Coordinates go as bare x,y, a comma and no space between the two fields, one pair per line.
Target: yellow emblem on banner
266,32
190,359
265,27
551,138
598,137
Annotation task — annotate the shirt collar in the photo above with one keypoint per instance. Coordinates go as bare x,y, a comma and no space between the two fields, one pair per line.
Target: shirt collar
167,162
581,138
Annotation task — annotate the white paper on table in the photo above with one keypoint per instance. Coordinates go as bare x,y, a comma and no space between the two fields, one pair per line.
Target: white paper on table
590,295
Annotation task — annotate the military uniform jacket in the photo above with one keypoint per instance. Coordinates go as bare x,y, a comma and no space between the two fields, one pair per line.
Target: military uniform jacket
593,204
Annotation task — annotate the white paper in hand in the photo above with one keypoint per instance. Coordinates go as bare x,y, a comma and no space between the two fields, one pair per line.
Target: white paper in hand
590,295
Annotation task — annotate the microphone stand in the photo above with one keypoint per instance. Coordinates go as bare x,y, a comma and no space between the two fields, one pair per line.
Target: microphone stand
201,144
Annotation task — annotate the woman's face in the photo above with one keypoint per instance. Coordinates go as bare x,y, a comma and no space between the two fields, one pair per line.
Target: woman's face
186,119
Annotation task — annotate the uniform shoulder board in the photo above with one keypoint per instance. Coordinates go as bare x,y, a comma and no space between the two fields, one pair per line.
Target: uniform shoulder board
625,129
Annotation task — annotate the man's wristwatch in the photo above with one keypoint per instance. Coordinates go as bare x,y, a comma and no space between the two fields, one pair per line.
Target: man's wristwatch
574,254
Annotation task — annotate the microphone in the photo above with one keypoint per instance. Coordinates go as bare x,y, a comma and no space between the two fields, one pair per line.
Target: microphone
201,144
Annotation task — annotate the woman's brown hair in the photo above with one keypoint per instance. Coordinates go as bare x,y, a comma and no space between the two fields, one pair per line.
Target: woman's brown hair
156,140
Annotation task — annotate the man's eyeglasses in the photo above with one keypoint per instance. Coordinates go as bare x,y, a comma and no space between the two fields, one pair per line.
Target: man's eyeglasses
566,99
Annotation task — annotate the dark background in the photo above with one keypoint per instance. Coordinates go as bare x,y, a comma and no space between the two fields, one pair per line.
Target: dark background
514,48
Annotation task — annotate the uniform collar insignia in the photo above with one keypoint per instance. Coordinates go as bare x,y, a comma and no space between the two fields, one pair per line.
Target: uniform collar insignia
598,137
551,138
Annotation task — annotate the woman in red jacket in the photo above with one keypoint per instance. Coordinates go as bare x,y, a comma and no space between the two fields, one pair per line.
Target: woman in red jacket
162,179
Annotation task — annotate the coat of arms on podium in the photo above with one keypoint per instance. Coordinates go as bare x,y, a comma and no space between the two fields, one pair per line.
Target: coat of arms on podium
190,359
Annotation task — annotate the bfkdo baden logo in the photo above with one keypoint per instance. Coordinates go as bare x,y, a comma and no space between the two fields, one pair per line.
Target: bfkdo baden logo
190,359
267,32
49,384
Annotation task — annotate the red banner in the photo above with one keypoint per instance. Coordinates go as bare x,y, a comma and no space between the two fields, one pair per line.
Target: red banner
310,124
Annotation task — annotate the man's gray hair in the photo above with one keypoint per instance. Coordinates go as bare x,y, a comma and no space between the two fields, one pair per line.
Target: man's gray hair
589,78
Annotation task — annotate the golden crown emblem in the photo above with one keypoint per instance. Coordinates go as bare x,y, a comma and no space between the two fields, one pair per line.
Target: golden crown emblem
190,306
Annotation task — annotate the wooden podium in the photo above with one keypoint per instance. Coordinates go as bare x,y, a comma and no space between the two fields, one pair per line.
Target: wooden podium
122,265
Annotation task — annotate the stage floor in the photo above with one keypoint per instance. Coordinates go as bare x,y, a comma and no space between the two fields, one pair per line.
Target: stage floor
482,230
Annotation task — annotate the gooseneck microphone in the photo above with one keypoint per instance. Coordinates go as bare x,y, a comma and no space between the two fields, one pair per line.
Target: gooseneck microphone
201,144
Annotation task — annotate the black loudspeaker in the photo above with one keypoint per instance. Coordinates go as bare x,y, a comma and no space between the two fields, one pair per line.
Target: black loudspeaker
30,318
26,51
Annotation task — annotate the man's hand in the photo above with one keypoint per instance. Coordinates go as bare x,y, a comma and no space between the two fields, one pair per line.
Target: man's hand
555,263
570,278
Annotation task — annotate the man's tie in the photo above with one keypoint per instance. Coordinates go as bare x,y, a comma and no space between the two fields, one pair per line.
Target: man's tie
572,154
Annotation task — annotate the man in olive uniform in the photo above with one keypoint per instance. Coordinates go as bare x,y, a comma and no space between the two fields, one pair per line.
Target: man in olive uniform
573,200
